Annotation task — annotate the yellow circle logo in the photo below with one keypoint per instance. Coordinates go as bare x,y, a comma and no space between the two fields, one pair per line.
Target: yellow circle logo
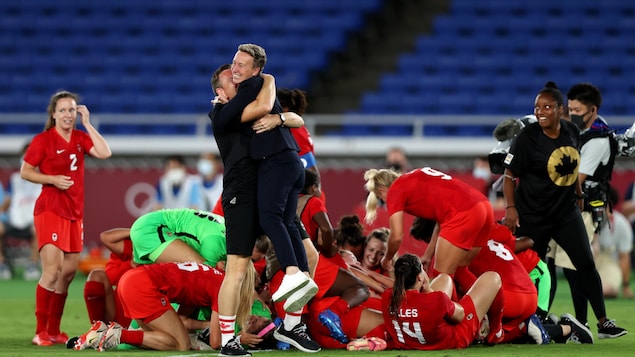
563,165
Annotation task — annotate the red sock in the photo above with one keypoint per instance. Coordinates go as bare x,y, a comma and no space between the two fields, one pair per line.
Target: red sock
42,301
56,309
340,307
495,313
95,298
132,337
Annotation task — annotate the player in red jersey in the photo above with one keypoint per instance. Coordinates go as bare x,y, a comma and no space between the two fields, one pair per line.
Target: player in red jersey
55,159
314,216
147,292
518,291
102,302
419,314
463,213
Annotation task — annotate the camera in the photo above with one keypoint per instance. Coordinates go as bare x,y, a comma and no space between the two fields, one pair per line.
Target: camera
505,132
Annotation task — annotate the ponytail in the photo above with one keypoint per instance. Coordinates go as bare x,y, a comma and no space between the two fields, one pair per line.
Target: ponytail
407,268
375,179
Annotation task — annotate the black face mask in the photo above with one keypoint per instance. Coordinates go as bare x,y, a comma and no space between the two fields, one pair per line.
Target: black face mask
395,166
578,120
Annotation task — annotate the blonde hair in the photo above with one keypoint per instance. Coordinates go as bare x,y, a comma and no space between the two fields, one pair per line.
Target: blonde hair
257,52
376,179
247,290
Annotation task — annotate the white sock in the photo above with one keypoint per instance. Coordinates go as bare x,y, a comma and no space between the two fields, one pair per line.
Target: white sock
292,319
227,329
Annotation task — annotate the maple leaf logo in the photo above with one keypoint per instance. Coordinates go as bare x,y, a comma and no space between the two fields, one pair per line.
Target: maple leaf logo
567,166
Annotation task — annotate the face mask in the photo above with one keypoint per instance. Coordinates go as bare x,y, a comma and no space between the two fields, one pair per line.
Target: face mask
395,166
175,176
205,167
578,120
481,173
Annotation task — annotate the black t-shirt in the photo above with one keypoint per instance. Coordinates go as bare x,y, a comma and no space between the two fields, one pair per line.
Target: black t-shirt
547,170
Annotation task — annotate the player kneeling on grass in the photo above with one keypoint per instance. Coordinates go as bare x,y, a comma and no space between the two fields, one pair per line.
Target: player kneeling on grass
419,314
147,292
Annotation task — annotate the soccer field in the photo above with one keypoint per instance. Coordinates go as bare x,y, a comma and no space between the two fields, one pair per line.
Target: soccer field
17,325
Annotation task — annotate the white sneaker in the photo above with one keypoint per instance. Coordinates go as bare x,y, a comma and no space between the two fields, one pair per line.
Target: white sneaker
91,338
111,338
290,283
301,297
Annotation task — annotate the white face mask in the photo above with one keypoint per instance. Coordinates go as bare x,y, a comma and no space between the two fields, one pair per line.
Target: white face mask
175,176
205,167
482,173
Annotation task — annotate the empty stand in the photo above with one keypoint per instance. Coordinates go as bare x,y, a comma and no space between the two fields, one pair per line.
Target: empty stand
492,56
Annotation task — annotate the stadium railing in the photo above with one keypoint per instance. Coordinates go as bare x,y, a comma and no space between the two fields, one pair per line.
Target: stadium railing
333,135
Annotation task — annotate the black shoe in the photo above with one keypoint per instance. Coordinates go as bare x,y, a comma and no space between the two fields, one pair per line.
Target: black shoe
609,330
233,348
297,337
579,332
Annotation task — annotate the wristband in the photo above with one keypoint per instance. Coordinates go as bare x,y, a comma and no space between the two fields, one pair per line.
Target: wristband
267,328
510,206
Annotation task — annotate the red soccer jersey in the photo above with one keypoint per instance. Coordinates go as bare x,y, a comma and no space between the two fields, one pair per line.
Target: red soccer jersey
528,257
119,264
190,284
313,206
421,323
498,257
55,156
431,194
303,138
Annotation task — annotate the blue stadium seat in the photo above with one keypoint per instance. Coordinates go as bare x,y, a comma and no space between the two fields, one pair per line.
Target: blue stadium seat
148,47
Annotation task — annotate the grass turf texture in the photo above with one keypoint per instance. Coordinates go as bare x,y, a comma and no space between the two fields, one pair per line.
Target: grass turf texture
17,325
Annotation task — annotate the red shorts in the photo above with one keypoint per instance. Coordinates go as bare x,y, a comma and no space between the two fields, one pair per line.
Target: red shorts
140,298
469,228
325,273
63,233
518,307
465,331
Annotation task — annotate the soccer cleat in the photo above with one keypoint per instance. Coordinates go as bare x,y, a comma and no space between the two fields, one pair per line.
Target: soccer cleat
91,338
42,339
536,331
70,344
333,323
297,337
60,339
553,319
367,344
494,338
301,297
111,338
609,330
579,332
290,283
234,348
200,340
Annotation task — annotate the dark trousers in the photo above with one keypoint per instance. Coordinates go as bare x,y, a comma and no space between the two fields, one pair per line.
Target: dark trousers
280,180
571,235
